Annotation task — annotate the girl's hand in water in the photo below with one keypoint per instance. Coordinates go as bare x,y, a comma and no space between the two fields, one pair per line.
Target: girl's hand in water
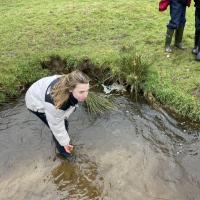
69,148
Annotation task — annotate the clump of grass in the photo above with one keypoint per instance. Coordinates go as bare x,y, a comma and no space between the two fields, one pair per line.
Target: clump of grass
133,69
97,103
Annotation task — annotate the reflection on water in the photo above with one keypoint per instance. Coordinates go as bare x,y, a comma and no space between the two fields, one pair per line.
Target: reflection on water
78,179
133,152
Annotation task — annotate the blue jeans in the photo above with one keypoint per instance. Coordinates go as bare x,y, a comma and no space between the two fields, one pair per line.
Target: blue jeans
177,13
60,148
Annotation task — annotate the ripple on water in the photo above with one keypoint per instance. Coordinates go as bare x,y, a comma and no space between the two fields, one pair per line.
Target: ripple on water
132,152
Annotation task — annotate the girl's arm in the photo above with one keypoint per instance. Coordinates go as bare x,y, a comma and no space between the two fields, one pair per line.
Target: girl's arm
56,121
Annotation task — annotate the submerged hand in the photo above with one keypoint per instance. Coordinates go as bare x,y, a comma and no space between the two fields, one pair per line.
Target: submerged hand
69,148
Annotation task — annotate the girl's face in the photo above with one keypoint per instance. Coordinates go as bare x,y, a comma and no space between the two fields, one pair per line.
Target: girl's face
80,92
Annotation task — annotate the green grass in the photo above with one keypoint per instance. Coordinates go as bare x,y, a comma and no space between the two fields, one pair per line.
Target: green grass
97,104
32,31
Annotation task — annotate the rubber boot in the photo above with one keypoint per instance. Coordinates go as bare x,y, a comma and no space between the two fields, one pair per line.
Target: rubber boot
198,50
168,40
198,56
196,39
179,37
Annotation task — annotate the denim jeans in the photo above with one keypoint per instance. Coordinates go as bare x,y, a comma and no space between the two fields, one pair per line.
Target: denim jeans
177,13
60,148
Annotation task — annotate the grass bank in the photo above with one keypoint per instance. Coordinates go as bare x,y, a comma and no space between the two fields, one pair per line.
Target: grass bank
31,31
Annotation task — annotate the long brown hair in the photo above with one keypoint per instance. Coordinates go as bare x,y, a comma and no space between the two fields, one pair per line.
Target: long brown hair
67,83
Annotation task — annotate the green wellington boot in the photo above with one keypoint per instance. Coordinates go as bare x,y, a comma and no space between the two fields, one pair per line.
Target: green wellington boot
179,37
168,40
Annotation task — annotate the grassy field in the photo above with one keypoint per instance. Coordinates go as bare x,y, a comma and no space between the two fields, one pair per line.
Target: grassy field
31,31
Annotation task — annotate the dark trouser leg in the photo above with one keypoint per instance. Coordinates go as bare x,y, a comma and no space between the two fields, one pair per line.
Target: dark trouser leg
60,148
42,116
196,39
197,30
197,27
180,28
177,14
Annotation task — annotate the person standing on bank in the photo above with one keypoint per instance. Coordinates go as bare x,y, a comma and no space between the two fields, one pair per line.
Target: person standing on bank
176,24
53,99
196,49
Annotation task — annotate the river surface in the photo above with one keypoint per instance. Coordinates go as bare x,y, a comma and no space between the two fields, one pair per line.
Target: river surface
131,153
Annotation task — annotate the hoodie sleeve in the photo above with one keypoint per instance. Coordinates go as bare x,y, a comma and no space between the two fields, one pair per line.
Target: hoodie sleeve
56,121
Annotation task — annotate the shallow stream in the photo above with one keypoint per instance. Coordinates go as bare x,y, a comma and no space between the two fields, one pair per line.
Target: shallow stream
131,153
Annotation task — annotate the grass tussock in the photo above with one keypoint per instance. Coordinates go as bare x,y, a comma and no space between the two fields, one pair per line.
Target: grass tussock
133,69
97,103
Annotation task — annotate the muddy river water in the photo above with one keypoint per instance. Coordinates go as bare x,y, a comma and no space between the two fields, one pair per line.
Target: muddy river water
131,153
